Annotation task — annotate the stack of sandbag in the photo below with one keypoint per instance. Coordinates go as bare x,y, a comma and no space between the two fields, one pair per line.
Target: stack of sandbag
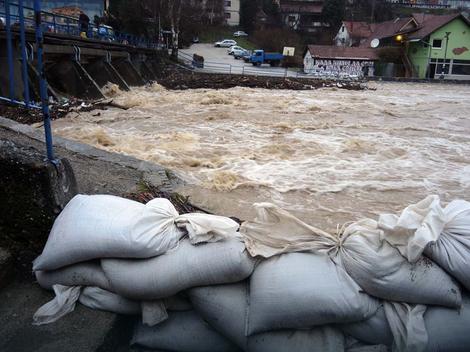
118,255
373,254
278,285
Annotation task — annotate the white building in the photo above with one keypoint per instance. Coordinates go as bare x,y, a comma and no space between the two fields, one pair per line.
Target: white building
232,12
449,4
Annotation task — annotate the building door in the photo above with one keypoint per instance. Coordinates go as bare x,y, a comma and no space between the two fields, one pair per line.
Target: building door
432,71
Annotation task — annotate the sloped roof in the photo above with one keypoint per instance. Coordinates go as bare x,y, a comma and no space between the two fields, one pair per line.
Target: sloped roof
358,29
342,53
431,23
70,11
391,28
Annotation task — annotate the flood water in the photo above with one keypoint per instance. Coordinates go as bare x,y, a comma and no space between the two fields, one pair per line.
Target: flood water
328,155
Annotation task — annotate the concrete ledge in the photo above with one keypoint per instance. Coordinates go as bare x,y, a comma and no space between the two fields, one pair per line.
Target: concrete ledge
160,177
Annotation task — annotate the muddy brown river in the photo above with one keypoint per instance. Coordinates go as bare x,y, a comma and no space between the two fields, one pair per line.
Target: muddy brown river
329,155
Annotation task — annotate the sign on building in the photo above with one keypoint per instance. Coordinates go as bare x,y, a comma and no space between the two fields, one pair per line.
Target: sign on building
288,51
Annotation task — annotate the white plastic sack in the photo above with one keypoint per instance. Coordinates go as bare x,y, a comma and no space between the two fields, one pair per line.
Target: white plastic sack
374,330
382,272
225,308
452,250
407,325
97,298
179,269
418,225
102,226
372,262
448,329
82,274
182,332
63,303
318,339
276,231
353,345
302,290
207,227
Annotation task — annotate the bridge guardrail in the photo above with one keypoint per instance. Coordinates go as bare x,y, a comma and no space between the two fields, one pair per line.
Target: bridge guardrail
61,24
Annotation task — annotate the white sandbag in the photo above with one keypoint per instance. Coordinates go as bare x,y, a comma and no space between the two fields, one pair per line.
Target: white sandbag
319,339
301,290
97,298
448,329
452,250
207,227
417,226
225,308
182,332
102,226
407,325
353,345
63,303
275,231
179,269
382,272
372,262
82,274
178,303
374,330
152,312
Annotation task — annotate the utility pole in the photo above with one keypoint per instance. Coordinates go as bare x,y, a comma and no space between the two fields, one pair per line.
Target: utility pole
445,55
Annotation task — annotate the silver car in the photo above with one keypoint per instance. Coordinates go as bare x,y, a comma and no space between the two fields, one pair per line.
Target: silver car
226,43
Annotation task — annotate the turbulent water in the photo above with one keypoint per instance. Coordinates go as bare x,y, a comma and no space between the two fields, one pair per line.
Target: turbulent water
327,155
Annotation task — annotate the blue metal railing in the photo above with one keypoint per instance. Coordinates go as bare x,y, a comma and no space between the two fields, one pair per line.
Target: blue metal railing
15,17
70,26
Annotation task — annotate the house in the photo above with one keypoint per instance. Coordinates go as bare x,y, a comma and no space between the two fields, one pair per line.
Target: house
339,62
440,47
387,32
91,8
353,33
303,15
232,12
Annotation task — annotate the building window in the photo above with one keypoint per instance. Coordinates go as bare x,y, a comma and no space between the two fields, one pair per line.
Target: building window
437,44
228,4
228,15
461,67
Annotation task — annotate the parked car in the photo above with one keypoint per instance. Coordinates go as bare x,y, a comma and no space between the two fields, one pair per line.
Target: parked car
260,57
233,48
226,43
240,34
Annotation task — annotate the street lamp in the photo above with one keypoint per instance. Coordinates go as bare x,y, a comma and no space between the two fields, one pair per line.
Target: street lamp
445,55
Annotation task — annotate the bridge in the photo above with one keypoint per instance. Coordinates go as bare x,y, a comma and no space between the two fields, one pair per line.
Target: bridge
75,63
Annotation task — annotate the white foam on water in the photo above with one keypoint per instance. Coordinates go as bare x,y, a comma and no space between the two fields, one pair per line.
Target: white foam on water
334,152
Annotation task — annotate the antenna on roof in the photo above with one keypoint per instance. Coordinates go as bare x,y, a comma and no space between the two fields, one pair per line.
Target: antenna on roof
374,43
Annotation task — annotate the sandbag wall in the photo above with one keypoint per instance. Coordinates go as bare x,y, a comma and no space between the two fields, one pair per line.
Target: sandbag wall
200,283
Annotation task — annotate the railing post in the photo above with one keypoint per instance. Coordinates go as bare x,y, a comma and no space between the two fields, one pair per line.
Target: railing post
42,81
9,51
24,64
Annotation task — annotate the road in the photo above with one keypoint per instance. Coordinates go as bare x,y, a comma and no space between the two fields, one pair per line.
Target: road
216,60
